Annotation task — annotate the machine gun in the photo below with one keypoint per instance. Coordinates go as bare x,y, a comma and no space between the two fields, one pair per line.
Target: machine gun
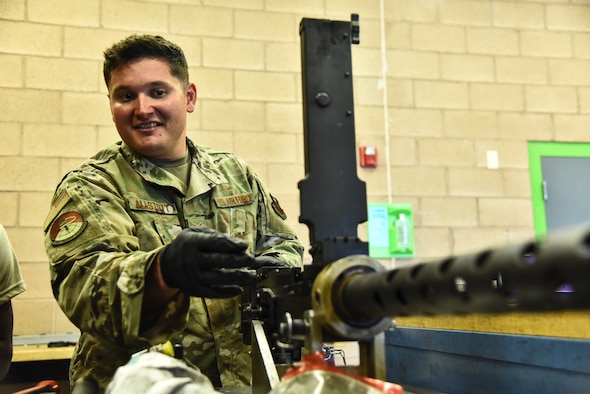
344,294
275,308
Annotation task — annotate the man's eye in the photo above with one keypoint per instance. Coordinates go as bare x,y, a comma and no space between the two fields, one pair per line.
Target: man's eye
126,97
159,93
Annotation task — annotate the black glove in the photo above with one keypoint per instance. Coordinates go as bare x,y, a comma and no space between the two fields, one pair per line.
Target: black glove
269,261
205,263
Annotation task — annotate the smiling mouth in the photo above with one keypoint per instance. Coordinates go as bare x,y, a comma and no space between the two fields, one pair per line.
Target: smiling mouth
145,126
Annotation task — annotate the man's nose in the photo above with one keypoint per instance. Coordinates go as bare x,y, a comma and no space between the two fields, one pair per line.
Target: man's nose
144,105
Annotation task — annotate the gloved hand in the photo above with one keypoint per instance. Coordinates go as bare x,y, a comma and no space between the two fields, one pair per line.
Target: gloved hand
269,260
205,263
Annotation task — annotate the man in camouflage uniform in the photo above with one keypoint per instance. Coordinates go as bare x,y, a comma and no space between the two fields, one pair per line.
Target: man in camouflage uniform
152,237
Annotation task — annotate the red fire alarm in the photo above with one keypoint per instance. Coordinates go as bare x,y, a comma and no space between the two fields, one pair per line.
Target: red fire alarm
368,156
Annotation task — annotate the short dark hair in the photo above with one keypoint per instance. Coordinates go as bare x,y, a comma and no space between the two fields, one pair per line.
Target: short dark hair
145,46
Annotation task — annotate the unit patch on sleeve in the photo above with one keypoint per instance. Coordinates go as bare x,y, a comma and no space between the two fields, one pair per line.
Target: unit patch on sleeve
277,208
66,227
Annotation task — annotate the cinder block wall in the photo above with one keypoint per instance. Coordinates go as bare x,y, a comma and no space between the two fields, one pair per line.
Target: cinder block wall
448,81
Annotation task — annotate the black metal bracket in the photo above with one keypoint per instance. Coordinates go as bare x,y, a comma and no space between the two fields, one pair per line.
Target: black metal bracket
333,199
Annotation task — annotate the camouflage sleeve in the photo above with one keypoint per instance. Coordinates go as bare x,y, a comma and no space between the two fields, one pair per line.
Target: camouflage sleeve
97,267
275,235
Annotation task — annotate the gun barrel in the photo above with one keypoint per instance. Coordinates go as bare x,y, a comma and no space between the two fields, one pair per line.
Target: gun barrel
552,274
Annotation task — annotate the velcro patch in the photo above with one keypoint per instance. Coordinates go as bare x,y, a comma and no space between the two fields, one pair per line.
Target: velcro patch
58,203
66,227
232,201
277,208
137,204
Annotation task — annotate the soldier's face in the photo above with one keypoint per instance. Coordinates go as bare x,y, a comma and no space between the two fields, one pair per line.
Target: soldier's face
149,107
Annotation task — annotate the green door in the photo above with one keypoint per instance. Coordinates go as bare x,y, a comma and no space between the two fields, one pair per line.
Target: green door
560,184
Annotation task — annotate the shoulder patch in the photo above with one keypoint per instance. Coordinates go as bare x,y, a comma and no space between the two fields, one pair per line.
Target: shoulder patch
277,208
58,203
66,227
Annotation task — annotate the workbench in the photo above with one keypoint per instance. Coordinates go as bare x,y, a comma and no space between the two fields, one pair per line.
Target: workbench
37,358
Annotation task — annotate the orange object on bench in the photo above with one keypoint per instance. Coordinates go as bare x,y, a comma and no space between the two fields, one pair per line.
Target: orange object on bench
45,386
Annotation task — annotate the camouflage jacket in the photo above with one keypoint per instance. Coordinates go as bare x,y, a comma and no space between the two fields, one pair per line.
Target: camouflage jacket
108,221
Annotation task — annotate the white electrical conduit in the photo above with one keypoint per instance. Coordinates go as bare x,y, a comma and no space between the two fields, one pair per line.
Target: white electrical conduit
383,86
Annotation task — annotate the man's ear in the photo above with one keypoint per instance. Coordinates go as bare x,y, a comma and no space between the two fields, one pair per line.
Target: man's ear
191,97
111,106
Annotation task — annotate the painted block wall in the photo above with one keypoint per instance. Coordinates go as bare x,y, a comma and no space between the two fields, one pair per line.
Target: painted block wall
438,84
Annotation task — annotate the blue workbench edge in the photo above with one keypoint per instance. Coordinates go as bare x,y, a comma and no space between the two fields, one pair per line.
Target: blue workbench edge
540,351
